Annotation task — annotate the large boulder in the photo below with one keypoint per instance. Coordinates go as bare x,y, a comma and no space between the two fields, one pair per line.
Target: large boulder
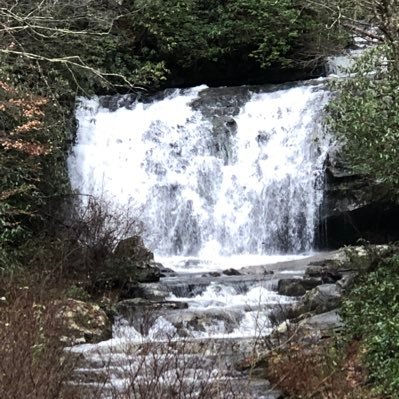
133,247
131,263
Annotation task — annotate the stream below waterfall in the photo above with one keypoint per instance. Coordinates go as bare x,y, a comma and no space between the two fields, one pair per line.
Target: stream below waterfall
228,183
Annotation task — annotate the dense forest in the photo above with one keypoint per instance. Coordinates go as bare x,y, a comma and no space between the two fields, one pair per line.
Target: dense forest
54,50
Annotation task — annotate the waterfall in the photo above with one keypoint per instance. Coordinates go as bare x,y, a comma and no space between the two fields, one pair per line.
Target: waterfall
223,171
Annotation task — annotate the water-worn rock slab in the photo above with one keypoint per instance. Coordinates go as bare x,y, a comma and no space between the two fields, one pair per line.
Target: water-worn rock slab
297,266
131,307
325,321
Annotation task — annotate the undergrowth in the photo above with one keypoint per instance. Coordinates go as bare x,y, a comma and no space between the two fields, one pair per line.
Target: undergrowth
362,362
371,314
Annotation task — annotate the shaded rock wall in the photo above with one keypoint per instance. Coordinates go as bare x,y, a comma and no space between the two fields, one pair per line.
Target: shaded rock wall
354,207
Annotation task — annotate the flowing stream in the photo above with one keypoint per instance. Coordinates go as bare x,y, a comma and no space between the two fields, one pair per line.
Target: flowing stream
221,178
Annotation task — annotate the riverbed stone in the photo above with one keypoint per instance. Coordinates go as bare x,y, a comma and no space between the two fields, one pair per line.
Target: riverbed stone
296,286
347,282
329,273
231,272
291,287
133,247
323,298
142,313
128,308
324,321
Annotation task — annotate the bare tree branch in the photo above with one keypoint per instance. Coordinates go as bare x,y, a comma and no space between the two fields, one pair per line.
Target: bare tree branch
69,61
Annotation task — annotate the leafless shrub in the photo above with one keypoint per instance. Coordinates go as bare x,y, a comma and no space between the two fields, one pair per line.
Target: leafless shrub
97,227
168,369
320,370
84,242
32,361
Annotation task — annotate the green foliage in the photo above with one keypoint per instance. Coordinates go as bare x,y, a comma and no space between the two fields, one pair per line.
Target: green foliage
70,46
188,34
78,293
365,114
32,155
371,313
52,50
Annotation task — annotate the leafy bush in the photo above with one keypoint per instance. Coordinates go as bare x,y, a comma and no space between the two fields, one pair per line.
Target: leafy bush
32,155
191,35
365,114
371,313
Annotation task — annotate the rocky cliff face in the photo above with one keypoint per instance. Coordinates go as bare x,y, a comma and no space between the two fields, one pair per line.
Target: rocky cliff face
354,207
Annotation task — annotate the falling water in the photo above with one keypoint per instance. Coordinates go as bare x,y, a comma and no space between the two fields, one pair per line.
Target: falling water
209,171
216,176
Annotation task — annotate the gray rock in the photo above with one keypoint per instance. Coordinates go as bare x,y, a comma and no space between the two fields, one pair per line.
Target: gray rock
129,307
231,272
142,313
325,321
327,271
289,312
291,287
133,247
201,320
346,282
296,286
323,298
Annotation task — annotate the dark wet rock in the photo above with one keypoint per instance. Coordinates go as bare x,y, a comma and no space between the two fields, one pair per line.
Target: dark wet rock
329,274
166,271
124,273
211,274
130,263
291,287
142,313
314,271
289,312
355,207
231,272
310,283
296,286
150,291
327,263
127,306
323,298
133,247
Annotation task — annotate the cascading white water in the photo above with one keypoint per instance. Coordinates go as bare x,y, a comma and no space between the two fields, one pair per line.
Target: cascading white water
245,183
212,173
